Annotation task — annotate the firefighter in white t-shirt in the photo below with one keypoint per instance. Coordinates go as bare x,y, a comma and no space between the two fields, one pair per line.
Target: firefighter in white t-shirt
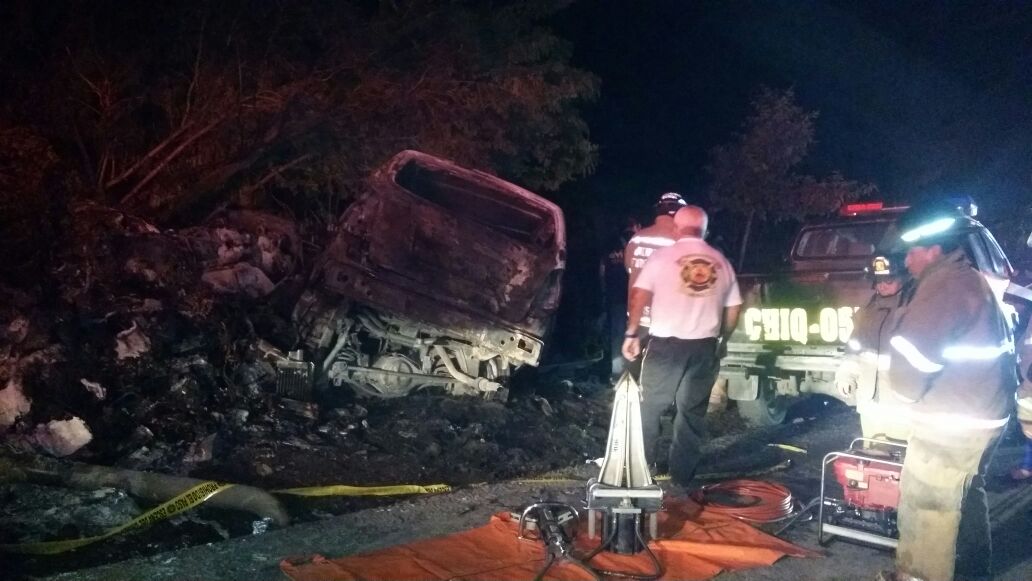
695,305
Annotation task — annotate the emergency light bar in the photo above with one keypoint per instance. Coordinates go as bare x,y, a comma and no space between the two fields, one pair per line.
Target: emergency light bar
928,229
854,209
857,208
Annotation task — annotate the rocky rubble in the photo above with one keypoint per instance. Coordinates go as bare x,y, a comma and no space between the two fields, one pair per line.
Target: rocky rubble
136,342
143,352
38,512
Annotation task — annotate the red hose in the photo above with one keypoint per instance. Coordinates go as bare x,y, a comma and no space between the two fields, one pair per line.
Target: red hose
762,502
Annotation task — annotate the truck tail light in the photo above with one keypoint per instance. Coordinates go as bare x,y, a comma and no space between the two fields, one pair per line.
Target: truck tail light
854,209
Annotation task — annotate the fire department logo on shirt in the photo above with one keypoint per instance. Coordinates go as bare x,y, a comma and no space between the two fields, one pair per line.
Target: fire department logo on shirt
698,274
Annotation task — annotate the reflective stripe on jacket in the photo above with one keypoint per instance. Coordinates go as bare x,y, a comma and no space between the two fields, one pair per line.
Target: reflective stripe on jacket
641,246
1023,398
645,242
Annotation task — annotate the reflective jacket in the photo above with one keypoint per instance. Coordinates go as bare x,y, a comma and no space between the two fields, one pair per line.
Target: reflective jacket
641,246
953,348
868,345
1024,395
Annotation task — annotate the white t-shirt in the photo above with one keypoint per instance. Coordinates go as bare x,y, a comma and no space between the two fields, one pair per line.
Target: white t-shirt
691,282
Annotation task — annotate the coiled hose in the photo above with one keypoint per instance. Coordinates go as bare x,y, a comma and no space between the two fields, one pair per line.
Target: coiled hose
764,502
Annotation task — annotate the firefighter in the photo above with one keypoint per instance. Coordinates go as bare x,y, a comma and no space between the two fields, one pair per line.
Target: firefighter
952,362
694,294
1024,401
660,234
1024,397
860,374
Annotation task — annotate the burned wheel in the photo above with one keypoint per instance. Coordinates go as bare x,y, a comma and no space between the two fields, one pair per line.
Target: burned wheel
768,409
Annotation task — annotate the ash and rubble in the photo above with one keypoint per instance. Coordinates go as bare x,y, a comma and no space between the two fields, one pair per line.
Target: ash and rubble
139,362
144,351
130,353
37,512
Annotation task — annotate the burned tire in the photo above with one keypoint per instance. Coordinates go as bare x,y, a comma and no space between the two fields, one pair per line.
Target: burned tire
768,409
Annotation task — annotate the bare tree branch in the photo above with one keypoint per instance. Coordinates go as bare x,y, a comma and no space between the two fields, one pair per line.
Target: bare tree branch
87,161
274,173
196,71
168,159
154,151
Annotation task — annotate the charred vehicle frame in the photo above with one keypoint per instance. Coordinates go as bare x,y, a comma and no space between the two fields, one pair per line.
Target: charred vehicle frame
436,275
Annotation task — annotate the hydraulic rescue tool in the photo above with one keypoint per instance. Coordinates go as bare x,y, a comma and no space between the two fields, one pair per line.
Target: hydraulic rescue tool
869,478
556,524
623,497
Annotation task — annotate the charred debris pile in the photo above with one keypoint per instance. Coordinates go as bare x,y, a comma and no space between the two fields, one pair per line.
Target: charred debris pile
150,350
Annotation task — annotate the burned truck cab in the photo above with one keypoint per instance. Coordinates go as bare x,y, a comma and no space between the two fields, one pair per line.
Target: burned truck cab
436,275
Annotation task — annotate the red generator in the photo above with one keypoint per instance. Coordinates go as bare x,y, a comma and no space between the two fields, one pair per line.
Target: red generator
869,481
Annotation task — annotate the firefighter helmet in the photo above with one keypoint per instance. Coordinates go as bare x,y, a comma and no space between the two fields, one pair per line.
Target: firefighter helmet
930,223
669,203
886,266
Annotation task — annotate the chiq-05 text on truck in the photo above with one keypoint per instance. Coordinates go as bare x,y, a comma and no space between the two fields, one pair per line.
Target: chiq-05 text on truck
795,323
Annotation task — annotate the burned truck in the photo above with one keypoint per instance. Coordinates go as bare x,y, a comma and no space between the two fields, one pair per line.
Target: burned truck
437,275
795,322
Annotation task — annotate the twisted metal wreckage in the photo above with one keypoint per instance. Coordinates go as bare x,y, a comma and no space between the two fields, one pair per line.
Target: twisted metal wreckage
436,276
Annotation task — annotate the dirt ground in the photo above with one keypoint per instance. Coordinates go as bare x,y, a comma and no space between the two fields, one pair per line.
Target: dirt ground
423,439
818,428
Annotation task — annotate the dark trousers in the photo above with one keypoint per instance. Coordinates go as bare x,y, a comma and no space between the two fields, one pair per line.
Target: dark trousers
943,509
679,372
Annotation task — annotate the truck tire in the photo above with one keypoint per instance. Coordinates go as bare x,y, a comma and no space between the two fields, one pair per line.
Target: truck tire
768,409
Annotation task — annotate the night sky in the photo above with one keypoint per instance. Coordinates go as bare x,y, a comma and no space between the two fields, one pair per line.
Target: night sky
920,98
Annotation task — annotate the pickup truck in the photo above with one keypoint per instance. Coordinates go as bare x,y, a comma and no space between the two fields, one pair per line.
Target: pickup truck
795,323
437,275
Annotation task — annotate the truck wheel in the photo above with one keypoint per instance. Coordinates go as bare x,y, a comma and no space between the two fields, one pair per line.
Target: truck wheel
768,409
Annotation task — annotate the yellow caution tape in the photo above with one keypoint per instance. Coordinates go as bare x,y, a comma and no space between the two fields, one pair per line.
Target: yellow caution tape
184,502
344,490
202,492
789,448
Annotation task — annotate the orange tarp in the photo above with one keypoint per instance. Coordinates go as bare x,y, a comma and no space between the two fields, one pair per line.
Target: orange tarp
695,544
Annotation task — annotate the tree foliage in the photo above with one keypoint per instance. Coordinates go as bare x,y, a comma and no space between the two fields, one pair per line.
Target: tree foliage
26,159
169,108
756,173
